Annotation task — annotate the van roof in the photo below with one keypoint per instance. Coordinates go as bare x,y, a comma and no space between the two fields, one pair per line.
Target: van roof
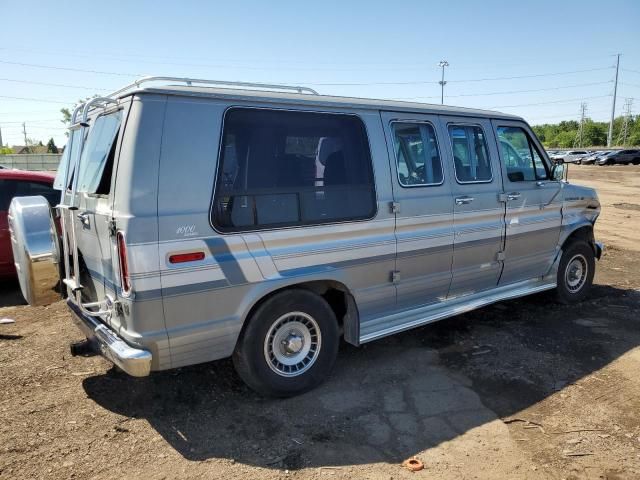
316,100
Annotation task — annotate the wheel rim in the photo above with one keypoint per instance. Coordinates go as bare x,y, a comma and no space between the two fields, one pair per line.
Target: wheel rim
292,344
575,274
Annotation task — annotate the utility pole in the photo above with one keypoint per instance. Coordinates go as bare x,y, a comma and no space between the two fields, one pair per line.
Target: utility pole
624,133
24,131
613,105
580,135
1,144
442,64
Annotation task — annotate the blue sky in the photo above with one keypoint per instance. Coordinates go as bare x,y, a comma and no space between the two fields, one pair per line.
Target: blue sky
561,53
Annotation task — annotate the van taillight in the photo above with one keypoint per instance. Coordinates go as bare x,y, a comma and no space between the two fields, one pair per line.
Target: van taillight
125,281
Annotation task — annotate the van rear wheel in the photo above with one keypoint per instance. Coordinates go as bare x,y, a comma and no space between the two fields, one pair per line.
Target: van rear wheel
575,272
289,344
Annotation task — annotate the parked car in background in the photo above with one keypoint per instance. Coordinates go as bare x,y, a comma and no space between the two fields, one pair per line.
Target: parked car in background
571,156
19,183
593,157
624,157
604,158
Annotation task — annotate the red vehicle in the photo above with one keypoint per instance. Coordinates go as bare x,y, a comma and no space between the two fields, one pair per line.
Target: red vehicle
19,183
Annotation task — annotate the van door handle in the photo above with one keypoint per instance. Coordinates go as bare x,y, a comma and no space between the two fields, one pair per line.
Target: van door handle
84,219
513,196
464,200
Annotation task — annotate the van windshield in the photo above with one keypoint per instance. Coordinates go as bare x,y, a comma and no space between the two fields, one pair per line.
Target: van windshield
98,152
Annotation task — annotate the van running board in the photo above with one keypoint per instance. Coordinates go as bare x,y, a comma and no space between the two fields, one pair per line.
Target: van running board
406,320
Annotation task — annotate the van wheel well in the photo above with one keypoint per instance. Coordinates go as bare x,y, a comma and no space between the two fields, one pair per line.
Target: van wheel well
584,234
338,297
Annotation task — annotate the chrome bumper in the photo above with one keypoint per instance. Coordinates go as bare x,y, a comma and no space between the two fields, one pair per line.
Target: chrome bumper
599,249
135,361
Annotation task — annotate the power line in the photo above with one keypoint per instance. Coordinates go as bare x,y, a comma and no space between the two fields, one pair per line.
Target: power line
632,71
583,111
70,102
35,127
32,121
530,76
336,84
551,102
613,103
624,133
22,112
69,69
563,115
315,62
50,84
512,91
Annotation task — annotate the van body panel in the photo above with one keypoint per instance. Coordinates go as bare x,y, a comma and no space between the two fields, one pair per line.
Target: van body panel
479,221
424,222
533,220
140,320
202,300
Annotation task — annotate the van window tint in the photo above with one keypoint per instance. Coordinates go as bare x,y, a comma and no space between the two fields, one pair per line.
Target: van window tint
280,168
417,154
98,153
520,156
470,153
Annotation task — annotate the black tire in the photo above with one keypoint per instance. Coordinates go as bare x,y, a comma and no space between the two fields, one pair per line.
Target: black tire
576,257
267,377
636,161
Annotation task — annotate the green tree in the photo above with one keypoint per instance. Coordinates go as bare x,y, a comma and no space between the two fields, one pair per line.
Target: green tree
594,134
51,146
566,138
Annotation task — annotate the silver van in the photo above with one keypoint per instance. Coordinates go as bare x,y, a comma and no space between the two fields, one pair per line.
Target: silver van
202,220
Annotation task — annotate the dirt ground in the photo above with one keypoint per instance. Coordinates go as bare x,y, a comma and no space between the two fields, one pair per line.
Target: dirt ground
520,389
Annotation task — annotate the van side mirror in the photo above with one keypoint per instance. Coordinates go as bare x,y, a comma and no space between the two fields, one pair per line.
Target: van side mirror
559,171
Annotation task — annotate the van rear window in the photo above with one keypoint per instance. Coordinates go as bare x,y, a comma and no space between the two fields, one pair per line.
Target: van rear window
283,168
96,162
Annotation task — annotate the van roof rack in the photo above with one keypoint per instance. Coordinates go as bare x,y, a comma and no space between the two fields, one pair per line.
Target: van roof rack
221,83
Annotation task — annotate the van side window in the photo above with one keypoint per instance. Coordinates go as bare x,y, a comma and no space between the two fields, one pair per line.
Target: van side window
417,154
282,168
96,163
520,156
470,154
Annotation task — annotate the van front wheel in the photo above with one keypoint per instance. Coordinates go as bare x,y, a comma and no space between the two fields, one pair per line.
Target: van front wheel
289,344
575,272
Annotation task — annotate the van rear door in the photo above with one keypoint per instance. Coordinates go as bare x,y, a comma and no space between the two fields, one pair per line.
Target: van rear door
95,203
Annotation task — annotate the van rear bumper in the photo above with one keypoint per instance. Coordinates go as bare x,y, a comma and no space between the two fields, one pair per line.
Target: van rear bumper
135,361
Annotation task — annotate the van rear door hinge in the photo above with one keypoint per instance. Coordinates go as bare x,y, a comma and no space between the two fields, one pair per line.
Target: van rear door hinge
395,207
395,276
111,225
501,256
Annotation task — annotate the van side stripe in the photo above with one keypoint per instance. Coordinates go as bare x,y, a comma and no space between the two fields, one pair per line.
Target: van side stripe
228,263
